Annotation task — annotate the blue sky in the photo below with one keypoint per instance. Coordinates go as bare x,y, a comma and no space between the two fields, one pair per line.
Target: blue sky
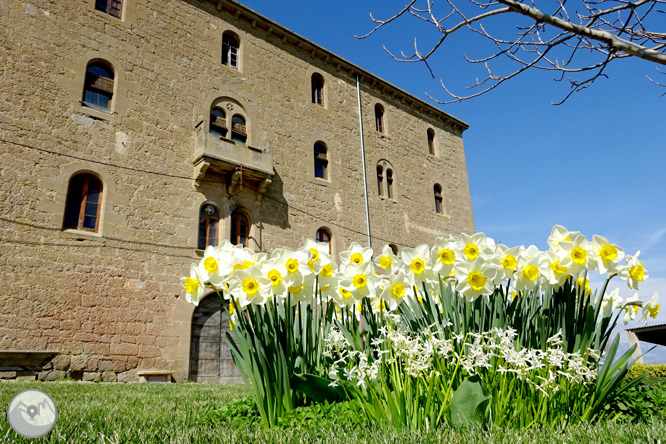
594,164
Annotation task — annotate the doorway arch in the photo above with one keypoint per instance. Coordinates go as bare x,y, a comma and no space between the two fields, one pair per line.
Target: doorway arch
210,355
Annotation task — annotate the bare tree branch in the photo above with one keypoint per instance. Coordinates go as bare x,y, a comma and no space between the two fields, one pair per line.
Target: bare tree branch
562,37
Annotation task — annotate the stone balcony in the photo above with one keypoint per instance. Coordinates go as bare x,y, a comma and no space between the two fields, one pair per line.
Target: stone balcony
214,153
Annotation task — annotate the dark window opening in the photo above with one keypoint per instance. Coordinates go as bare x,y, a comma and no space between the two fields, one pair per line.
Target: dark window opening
240,228
323,235
209,225
98,87
394,248
84,198
439,209
238,129
320,161
380,180
379,118
317,89
389,183
230,51
112,7
218,122
431,142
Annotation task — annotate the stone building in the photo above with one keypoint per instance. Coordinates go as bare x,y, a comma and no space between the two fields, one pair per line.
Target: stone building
135,132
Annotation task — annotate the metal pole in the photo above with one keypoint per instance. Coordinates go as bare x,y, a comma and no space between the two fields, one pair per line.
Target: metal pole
365,180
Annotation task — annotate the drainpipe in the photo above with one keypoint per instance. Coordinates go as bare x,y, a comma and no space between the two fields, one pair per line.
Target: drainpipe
365,179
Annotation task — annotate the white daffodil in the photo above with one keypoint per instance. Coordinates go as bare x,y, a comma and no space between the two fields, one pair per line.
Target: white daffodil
302,291
319,254
294,262
249,286
212,268
651,308
275,271
505,260
475,278
475,245
527,273
553,271
395,290
328,276
633,272
559,234
417,264
388,261
444,255
631,306
608,255
613,298
577,255
343,297
355,254
360,279
194,286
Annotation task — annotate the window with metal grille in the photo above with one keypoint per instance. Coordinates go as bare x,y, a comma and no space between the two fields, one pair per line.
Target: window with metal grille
318,89
112,7
379,118
238,129
323,235
320,161
439,207
98,86
209,226
230,50
380,180
431,142
218,122
84,198
240,228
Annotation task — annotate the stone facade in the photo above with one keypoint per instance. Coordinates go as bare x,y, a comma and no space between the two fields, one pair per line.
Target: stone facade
109,300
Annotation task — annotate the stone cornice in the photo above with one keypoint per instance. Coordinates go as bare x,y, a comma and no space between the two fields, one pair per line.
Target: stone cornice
288,37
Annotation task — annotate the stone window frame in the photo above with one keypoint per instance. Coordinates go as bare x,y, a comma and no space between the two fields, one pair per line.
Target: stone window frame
119,101
380,119
219,225
128,15
332,243
240,36
327,92
80,213
100,86
432,142
222,100
439,200
246,214
331,168
386,180
239,50
321,159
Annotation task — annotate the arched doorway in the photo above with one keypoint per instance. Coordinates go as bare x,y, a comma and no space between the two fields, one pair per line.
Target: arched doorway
210,356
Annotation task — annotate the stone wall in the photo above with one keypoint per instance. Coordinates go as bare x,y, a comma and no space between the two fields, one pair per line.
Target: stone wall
110,301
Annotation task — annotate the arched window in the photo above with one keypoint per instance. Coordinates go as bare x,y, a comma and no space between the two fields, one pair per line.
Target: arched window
379,118
323,235
389,183
230,50
112,7
394,248
380,180
218,122
238,129
320,161
431,142
317,89
240,228
84,198
209,226
439,208
98,87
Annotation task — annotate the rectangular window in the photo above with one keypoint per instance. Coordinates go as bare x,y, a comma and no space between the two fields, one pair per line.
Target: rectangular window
112,7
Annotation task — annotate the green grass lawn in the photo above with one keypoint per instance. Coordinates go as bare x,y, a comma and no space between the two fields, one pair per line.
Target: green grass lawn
175,413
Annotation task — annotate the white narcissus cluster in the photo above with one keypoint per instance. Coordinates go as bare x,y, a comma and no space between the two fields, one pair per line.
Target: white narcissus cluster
474,266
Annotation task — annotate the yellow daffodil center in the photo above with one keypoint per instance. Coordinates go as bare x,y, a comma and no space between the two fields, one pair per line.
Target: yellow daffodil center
345,293
327,270
360,281
210,264
557,268
582,282
579,255
477,280
243,266
654,310
324,288
385,262
296,289
637,272
191,285
292,265
398,291
315,254
417,266
509,262
447,256
531,272
275,277
311,265
357,258
608,252
471,251
250,286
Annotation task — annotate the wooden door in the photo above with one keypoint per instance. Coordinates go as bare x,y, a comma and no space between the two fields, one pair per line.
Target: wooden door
210,356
